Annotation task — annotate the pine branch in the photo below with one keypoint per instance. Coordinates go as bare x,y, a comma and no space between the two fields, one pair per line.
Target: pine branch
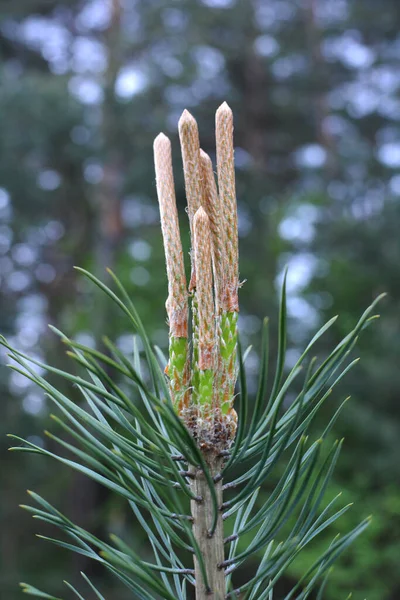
168,443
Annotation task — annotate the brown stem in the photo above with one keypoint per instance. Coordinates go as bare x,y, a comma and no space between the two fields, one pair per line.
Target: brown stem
211,547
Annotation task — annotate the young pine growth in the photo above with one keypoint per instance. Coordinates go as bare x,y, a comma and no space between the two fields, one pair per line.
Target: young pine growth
207,378
189,468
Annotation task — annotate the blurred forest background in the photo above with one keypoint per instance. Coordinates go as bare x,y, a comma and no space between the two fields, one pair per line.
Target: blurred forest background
85,86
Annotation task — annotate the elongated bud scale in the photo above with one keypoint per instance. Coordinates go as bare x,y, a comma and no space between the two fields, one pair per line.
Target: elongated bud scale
204,289
177,303
190,146
230,270
212,206
227,194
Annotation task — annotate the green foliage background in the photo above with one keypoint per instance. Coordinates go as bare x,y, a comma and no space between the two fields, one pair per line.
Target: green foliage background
314,88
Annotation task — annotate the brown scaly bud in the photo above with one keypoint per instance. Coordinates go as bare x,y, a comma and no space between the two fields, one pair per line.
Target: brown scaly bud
177,303
204,289
227,194
190,146
212,206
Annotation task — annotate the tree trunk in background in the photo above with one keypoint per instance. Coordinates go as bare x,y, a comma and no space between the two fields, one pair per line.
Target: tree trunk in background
110,226
319,77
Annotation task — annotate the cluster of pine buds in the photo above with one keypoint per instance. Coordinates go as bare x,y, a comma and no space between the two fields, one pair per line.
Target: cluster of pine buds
202,374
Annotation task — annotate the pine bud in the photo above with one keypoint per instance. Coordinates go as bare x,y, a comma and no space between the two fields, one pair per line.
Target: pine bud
212,207
190,145
227,194
177,303
204,289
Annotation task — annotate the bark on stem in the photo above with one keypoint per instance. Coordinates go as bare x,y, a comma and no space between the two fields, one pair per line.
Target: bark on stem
212,548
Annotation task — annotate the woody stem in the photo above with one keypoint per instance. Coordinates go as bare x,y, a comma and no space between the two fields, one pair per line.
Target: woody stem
211,546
